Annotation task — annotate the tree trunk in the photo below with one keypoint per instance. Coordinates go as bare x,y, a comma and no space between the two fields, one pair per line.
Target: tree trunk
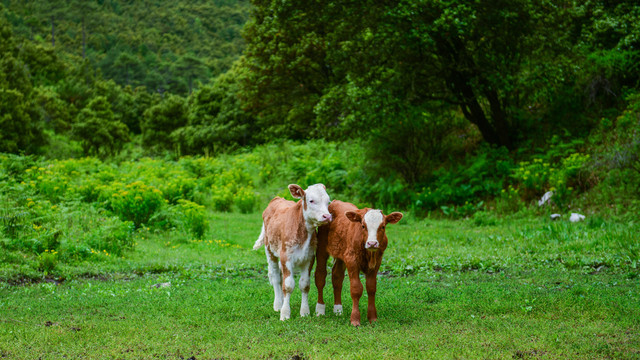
461,70
498,116
474,112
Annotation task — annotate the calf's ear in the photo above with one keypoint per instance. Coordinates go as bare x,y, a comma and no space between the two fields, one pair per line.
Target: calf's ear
394,217
353,216
296,191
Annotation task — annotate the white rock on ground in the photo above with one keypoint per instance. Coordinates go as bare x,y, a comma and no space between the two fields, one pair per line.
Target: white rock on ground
545,198
575,217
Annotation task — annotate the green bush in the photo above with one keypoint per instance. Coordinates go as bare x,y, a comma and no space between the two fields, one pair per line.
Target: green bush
178,188
110,236
484,218
539,176
509,201
245,199
480,177
47,261
193,217
222,197
135,202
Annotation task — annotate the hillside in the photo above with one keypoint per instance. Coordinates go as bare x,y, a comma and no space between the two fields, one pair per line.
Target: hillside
163,45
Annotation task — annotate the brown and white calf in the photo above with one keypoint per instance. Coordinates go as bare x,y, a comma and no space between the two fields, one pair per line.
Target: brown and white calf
356,239
289,236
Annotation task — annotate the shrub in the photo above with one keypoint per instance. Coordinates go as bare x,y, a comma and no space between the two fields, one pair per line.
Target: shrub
541,175
193,218
110,236
245,199
479,177
136,202
177,188
509,201
222,197
47,261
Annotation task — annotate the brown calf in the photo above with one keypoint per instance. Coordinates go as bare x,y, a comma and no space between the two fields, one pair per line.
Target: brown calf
289,237
356,239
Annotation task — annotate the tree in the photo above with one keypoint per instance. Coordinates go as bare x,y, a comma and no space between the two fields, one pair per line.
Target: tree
192,69
98,131
287,65
160,120
20,125
216,122
354,64
128,70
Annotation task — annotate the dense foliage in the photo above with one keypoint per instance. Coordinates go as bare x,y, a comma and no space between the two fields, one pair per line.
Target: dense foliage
75,210
454,105
162,45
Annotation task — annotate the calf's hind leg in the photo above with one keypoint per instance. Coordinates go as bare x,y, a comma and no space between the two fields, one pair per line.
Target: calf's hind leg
372,314
337,278
275,278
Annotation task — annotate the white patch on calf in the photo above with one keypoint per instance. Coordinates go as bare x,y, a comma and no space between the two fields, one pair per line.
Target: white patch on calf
373,219
320,309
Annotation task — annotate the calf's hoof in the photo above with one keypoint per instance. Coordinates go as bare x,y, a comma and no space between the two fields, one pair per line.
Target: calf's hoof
320,309
285,314
337,309
305,311
355,318
277,305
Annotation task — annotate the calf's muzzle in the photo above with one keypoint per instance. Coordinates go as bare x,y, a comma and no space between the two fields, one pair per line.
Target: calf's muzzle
372,245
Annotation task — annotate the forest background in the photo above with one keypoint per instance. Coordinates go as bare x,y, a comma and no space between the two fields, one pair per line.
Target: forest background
441,107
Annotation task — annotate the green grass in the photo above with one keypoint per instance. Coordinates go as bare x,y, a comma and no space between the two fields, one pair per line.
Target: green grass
522,288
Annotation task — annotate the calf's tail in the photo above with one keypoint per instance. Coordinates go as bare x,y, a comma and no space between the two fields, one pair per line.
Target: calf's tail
260,240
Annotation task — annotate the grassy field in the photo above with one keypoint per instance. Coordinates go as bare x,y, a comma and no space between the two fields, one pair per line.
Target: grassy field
511,288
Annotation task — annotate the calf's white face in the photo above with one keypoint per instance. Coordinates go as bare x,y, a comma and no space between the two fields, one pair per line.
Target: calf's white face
315,208
373,226
372,221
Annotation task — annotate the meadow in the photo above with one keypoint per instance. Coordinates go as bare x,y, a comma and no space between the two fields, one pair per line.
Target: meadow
520,289
152,259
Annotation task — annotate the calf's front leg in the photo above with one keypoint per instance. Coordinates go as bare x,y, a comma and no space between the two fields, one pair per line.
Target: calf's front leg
321,279
356,293
305,285
287,288
372,314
